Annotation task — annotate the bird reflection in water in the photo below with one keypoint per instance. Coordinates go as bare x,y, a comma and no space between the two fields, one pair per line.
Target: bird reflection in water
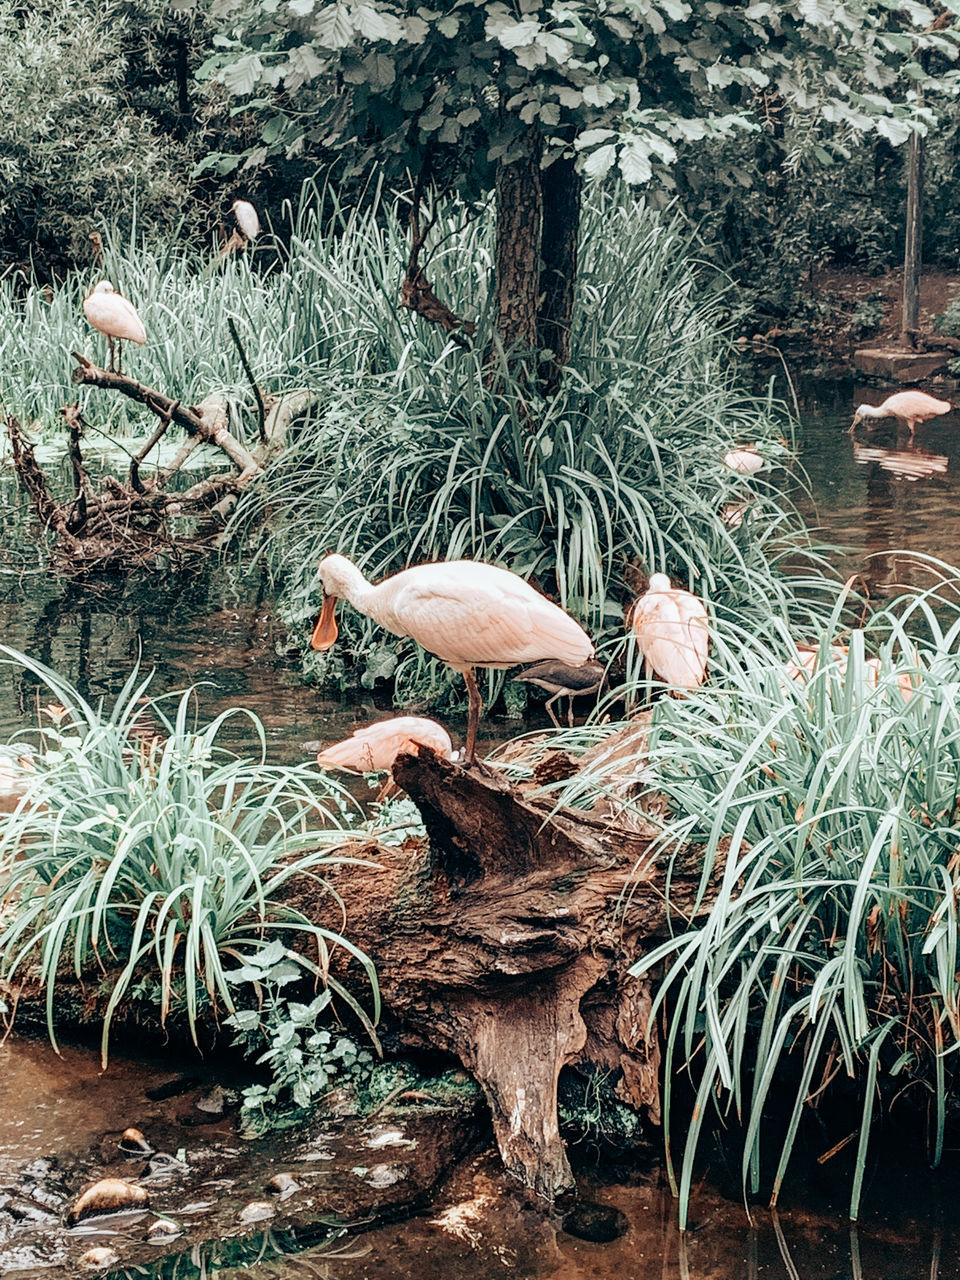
905,464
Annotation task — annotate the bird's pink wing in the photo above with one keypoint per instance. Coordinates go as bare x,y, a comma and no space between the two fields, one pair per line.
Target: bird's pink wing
479,622
673,635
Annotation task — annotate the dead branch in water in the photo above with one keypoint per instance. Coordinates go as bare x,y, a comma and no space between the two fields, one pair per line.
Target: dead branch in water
123,526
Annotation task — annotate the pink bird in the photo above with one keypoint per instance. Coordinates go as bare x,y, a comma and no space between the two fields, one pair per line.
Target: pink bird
810,661
111,314
672,633
911,406
745,460
375,747
467,613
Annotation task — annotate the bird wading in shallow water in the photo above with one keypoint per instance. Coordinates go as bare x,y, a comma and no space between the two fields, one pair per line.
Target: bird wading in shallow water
375,747
111,314
673,633
911,406
466,613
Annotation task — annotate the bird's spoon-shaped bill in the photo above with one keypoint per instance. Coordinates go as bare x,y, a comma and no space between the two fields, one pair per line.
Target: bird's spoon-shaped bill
326,631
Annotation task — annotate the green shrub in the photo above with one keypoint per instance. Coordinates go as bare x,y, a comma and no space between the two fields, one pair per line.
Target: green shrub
73,152
422,451
949,320
828,812
157,856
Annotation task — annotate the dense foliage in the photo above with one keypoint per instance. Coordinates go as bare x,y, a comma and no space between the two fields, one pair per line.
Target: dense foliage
821,958
143,850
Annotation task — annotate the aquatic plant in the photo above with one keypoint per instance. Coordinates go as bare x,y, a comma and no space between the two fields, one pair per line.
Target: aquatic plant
821,956
424,451
142,849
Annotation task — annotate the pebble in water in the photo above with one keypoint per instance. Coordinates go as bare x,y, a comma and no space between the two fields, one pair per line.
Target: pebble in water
97,1258
109,1195
598,1223
133,1143
257,1211
162,1230
283,1185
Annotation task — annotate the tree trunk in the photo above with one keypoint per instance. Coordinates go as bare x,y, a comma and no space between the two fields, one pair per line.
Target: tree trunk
913,252
509,944
561,186
519,219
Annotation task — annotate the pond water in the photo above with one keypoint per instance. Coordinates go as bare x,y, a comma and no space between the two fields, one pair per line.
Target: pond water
877,494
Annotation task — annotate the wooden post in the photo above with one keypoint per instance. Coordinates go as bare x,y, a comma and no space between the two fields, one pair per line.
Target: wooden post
913,254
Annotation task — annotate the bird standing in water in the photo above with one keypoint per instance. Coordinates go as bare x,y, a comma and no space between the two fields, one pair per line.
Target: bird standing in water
672,632
111,314
911,406
467,613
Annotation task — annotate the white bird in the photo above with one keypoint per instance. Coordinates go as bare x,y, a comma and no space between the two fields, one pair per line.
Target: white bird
911,406
375,747
110,313
810,660
247,220
673,633
467,613
746,460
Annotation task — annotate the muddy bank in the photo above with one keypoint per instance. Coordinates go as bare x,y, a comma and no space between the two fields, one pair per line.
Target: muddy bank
61,1128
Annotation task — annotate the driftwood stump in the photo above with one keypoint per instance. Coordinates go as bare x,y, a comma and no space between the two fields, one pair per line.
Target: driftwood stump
508,941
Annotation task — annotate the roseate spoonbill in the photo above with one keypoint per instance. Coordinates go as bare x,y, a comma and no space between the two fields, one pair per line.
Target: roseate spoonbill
672,633
247,220
809,661
911,406
467,613
746,460
375,747
559,679
110,313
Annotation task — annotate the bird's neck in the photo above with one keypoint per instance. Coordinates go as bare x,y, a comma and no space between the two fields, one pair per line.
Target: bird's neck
359,592
869,411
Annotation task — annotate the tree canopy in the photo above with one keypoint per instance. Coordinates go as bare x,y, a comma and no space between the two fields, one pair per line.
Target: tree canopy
620,83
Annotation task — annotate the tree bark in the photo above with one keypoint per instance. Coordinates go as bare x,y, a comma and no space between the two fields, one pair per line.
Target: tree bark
519,219
561,186
508,943
913,251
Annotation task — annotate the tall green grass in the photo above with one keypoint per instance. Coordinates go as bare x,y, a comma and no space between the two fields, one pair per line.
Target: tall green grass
421,451
143,852
821,960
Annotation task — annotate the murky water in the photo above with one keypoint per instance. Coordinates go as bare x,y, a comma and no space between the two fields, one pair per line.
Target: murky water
879,493
876,493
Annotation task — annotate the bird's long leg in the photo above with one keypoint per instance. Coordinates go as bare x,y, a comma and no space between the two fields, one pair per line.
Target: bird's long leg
473,719
119,356
548,707
110,348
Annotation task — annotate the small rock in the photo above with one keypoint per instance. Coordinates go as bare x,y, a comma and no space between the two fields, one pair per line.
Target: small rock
320,1153
109,1195
197,1206
385,1175
97,1258
283,1185
598,1223
385,1137
164,1168
257,1211
217,1101
162,1230
132,1143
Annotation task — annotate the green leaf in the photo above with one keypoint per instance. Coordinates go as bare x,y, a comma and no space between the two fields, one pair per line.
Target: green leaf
241,77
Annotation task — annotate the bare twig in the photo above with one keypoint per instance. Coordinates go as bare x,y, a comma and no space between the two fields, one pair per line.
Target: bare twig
416,292
261,411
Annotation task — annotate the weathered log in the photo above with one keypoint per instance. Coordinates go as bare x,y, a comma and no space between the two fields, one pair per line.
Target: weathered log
191,418
508,944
